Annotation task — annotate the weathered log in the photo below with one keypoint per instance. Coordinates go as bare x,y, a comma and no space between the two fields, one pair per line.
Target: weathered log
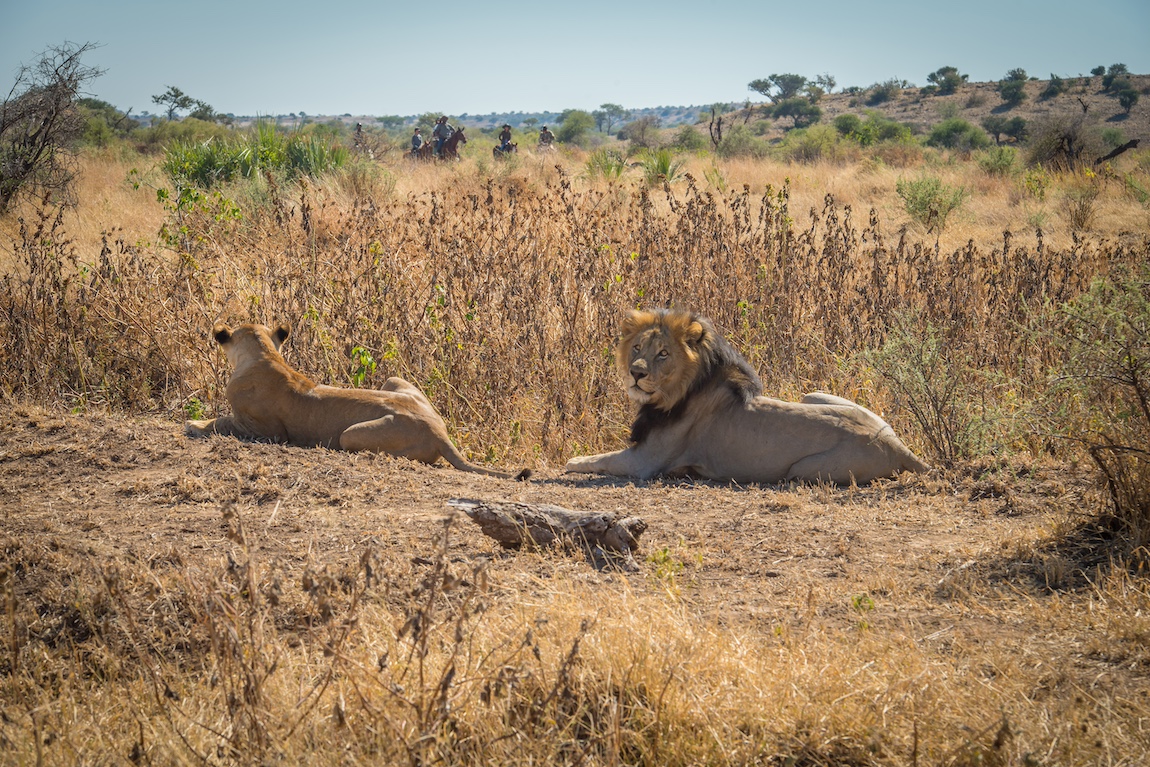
607,539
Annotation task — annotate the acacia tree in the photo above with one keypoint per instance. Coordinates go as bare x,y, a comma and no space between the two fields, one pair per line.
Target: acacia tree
174,100
39,122
609,114
788,85
947,79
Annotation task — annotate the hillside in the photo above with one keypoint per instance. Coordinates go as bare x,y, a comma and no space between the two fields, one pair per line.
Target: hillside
975,102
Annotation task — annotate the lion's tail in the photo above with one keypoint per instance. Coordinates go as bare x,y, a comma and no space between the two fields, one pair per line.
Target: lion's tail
452,455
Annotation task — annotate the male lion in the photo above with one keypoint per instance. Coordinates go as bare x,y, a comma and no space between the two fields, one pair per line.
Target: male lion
701,413
272,401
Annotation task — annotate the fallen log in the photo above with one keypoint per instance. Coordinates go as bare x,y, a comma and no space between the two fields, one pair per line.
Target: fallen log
607,539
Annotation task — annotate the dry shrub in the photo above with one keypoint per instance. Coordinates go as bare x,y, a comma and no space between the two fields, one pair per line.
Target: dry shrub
377,658
500,297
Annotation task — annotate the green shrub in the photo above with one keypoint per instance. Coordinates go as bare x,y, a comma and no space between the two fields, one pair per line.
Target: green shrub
957,133
606,163
1013,92
660,165
819,142
689,139
1055,87
1063,143
929,201
740,142
998,160
1011,127
936,380
848,124
880,93
1101,396
802,111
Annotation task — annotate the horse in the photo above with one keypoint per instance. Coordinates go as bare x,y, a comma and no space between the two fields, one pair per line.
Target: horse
499,154
426,151
450,149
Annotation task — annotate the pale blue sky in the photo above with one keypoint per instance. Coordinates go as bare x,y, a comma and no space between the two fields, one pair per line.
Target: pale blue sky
377,58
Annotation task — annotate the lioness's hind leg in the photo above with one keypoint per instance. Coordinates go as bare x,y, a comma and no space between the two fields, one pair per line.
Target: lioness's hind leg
225,426
396,434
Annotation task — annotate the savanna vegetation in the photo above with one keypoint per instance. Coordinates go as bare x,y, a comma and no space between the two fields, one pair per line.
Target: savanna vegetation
991,298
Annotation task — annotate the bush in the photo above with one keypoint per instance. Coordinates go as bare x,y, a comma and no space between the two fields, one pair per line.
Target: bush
932,377
880,93
802,111
819,142
1063,143
998,161
1127,98
606,163
957,133
574,126
1101,396
929,201
1013,92
999,126
1056,87
848,124
740,142
689,139
660,165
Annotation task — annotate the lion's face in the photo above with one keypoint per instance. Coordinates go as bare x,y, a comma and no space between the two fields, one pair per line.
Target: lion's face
248,343
657,356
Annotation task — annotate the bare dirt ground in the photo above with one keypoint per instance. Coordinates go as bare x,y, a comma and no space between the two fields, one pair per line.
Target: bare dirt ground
993,567
116,486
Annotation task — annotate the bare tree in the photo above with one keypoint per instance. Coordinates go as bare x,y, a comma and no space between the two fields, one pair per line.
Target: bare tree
39,123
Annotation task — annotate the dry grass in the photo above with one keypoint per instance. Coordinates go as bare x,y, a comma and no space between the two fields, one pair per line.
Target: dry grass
931,632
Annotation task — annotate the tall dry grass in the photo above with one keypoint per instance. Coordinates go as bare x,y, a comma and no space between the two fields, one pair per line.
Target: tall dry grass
371,660
497,289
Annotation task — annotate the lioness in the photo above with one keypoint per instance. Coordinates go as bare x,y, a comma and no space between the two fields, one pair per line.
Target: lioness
701,413
272,401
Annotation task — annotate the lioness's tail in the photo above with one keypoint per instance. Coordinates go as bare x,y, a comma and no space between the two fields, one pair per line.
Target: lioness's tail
452,455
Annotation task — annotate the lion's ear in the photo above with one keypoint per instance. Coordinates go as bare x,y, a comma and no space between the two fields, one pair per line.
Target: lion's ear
635,319
694,332
222,333
281,334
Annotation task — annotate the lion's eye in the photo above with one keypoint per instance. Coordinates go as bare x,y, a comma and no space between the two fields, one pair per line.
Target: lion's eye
635,348
663,354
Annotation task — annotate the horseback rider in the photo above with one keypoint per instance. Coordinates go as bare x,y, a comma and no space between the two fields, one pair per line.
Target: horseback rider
441,132
416,142
546,137
505,138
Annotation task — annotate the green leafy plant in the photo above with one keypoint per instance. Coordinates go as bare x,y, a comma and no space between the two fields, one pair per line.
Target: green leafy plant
659,165
606,163
363,366
998,161
929,201
1101,395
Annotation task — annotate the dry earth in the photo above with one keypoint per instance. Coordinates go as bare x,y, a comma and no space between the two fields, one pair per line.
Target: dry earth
110,487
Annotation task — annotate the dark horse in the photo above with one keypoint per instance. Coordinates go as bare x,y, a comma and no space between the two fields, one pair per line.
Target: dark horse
450,149
499,154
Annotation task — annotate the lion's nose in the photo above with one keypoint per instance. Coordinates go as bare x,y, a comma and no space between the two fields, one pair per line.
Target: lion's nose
638,372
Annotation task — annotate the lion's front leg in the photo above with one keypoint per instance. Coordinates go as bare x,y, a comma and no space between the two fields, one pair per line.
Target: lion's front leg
631,462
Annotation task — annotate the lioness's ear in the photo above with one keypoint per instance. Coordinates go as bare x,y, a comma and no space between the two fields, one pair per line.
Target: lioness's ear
222,333
281,335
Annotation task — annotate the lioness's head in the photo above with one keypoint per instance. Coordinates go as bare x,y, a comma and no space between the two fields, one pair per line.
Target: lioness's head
665,355
249,342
